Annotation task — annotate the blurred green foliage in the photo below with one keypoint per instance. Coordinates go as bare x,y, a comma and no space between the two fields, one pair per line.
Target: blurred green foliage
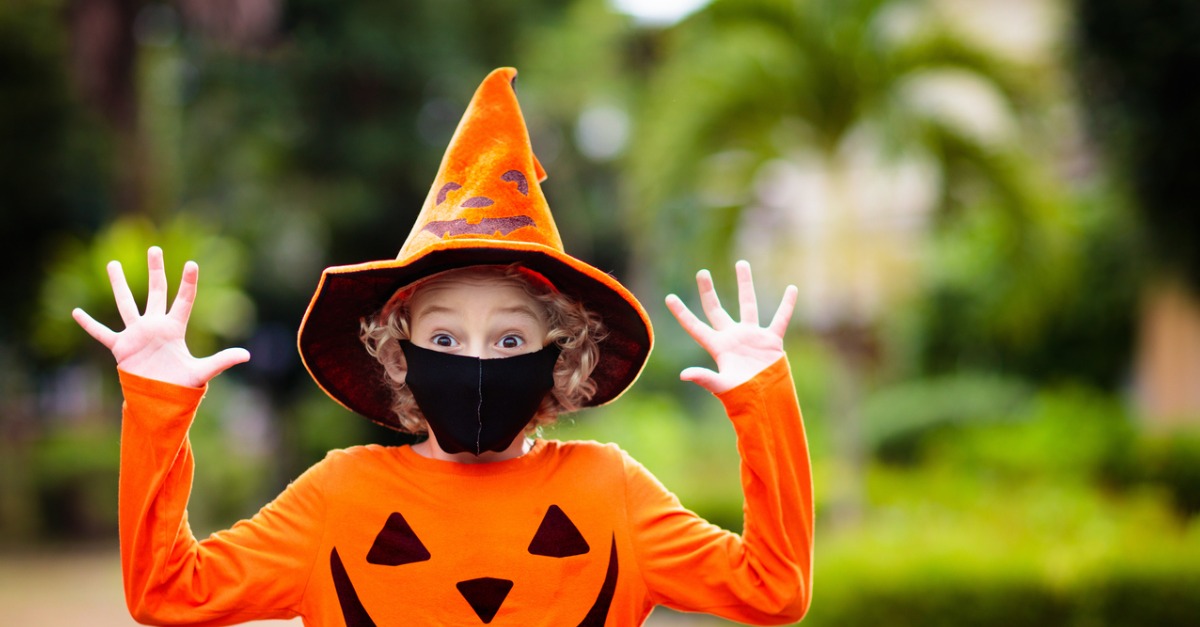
1013,513
1017,521
75,276
1005,480
903,417
1169,461
74,474
1067,312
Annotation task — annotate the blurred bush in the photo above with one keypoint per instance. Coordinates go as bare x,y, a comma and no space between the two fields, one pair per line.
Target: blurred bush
1131,568
74,476
1052,301
1169,461
1015,506
1141,591
903,417
1067,434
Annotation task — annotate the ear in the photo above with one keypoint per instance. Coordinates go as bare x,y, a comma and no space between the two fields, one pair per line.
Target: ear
395,365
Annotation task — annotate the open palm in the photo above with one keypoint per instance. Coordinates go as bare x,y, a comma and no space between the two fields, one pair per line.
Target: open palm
741,348
152,344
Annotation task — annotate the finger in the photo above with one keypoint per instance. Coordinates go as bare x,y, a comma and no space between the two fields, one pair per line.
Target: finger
214,365
156,297
699,331
747,301
181,309
783,315
710,303
126,306
101,333
703,377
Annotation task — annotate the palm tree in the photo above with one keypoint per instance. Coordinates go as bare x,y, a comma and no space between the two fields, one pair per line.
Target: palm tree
822,139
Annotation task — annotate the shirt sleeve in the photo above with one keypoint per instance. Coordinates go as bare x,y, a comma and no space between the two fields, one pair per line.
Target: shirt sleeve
763,576
258,569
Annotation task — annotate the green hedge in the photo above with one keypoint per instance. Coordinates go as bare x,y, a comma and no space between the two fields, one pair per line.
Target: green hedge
1162,594
1168,460
939,601
1165,595
1058,511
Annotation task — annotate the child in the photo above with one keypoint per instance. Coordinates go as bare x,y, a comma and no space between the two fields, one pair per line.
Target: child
481,329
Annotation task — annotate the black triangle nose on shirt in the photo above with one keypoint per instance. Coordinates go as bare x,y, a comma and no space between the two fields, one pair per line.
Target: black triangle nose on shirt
485,595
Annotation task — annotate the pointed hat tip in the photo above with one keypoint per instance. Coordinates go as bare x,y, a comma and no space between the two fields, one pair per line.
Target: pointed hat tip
505,74
509,75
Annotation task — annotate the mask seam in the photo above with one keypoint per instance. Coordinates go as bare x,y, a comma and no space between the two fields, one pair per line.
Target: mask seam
479,411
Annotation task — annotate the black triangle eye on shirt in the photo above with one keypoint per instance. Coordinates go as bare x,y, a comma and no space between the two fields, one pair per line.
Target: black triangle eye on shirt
557,536
397,544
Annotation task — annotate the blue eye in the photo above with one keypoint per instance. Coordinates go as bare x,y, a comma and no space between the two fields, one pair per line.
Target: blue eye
511,341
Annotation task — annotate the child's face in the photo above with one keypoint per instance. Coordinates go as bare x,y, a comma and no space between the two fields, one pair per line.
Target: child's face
477,317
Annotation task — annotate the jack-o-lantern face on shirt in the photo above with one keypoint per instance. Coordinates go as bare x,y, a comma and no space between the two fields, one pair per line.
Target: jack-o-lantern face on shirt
556,537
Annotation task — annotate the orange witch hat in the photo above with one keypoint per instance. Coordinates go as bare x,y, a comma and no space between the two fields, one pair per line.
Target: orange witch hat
485,207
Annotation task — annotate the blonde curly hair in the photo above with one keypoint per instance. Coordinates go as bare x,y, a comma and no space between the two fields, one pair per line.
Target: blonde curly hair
576,330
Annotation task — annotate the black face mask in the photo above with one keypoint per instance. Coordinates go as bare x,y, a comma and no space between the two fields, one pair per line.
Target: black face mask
474,405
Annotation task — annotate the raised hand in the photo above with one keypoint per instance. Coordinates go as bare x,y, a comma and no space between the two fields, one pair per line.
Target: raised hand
152,344
742,348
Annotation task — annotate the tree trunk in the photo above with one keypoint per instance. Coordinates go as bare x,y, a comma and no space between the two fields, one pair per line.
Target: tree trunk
102,69
1168,360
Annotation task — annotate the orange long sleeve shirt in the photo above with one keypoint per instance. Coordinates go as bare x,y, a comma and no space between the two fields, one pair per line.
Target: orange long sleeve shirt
571,533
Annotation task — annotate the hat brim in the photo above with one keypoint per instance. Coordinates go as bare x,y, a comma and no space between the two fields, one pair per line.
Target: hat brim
337,360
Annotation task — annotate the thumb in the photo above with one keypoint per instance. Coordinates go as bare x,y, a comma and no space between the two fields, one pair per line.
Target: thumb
216,364
703,377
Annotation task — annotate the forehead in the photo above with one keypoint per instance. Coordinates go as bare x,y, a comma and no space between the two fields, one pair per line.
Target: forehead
470,292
